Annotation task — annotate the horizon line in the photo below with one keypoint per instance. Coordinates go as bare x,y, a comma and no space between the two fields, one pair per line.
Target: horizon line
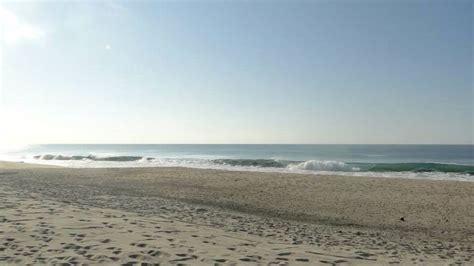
459,144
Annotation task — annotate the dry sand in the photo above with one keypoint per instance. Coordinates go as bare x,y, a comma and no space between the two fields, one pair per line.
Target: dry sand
179,215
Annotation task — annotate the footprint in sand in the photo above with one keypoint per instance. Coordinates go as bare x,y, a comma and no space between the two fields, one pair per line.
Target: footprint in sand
302,259
140,245
185,258
140,257
154,253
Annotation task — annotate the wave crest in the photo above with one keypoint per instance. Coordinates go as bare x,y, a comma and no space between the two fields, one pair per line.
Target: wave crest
89,157
251,162
317,165
258,164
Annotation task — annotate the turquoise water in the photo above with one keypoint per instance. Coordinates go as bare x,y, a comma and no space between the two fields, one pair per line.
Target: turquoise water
411,161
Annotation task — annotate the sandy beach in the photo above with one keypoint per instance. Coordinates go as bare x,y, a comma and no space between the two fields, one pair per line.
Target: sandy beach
192,216
236,133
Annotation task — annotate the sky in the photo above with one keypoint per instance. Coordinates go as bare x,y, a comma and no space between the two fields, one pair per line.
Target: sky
342,72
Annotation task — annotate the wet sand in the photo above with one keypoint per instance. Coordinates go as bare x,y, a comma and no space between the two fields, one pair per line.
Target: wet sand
208,216
20,165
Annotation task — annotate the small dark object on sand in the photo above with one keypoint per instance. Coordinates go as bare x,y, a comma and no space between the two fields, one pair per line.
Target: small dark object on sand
402,219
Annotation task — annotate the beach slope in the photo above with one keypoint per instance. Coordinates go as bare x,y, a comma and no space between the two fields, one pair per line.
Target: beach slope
204,216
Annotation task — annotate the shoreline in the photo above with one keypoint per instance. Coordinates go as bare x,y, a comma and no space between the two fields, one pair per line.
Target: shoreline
188,185
23,165
403,175
341,214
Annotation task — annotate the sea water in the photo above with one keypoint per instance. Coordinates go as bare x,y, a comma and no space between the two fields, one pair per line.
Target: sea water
439,162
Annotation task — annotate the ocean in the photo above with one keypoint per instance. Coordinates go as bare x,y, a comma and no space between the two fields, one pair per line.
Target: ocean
438,162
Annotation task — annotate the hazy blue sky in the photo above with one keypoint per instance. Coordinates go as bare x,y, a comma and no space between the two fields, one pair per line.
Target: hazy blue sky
237,72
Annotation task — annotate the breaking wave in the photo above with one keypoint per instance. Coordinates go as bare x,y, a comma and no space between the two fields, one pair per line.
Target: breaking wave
418,167
323,166
256,164
252,162
89,157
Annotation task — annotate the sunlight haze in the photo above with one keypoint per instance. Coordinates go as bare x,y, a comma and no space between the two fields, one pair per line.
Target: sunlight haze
236,72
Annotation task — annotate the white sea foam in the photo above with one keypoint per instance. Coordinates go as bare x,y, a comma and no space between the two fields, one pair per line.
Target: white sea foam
322,166
96,158
316,167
